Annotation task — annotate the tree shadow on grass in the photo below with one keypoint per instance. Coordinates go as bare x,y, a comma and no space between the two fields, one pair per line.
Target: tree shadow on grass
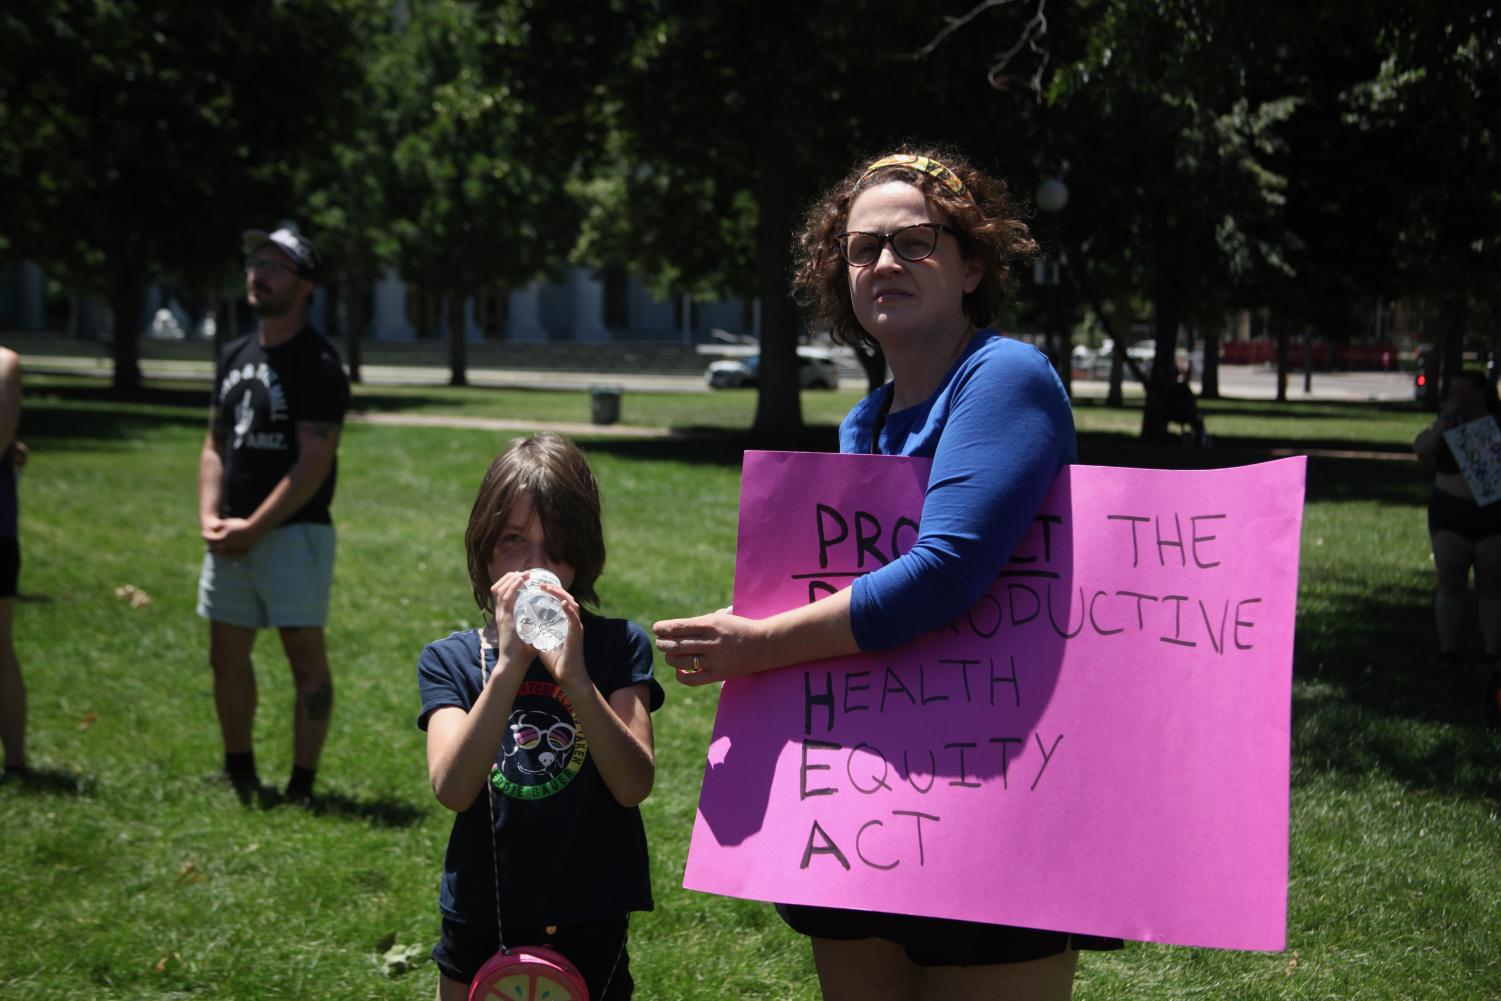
1372,698
1330,478
66,418
713,446
379,811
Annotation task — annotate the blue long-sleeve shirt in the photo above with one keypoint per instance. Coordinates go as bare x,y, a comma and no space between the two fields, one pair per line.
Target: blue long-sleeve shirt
999,430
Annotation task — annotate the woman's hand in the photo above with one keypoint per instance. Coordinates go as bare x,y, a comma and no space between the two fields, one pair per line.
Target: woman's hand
713,647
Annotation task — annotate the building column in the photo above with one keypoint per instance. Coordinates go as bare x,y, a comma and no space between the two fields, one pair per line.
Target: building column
33,292
472,329
388,314
524,314
588,322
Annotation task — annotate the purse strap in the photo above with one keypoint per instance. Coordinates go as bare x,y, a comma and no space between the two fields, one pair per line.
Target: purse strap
484,680
500,934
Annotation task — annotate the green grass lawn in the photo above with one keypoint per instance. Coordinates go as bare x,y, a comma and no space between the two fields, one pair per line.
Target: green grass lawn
127,875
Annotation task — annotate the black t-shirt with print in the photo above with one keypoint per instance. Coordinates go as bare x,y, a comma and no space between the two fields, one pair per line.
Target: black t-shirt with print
568,851
261,395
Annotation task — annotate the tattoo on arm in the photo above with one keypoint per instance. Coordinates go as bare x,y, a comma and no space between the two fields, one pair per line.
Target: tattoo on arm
318,704
321,429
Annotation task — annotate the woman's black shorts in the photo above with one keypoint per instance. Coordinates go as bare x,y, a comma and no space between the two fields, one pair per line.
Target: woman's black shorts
597,948
1447,513
939,941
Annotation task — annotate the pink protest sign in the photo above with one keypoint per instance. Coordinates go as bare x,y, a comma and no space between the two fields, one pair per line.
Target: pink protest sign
1099,746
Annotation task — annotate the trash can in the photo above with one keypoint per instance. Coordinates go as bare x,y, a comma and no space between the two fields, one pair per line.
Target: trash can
604,404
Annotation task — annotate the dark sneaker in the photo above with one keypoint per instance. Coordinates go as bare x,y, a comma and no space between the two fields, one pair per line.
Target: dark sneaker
246,785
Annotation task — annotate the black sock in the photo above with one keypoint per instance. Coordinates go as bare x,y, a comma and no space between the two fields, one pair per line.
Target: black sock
301,782
240,766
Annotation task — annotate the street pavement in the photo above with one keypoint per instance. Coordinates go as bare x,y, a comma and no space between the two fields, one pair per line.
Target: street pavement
1256,382
1250,382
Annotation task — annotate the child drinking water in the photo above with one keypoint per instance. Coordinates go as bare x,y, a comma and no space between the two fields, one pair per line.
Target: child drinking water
562,736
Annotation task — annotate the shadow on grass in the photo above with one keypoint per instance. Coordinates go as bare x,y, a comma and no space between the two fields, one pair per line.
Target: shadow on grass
52,782
87,418
381,811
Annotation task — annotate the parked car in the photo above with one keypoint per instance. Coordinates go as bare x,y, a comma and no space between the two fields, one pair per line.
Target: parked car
1096,363
813,372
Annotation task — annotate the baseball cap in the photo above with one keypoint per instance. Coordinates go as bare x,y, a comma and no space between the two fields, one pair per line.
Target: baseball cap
289,241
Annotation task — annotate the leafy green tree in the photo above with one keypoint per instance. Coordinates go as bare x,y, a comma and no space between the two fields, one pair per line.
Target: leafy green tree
138,139
1438,91
493,119
1165,151
344,195
731,116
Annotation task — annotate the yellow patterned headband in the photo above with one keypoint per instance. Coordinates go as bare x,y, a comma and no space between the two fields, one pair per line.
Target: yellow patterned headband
928,166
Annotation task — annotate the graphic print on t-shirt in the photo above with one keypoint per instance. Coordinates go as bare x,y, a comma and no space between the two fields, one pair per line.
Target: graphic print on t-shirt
262,403
543,748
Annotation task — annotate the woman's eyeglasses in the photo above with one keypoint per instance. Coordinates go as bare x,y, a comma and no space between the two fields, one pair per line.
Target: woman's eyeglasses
910,243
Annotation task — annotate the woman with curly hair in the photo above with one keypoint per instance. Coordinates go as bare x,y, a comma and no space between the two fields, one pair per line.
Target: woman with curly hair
914,251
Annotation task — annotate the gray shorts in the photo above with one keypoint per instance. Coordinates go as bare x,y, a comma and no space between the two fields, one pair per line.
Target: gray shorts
283,581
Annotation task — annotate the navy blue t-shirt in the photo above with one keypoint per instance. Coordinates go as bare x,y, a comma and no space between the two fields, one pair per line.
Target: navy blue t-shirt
262,394
568,851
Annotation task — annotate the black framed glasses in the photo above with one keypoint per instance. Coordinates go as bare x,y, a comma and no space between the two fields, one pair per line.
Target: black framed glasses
910,243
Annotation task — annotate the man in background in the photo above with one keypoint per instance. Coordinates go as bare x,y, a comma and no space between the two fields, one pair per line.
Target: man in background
265,482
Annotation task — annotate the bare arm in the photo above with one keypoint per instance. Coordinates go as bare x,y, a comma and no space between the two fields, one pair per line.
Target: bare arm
211,475
1430,440
10,397
317,444
729,646
619,728
461,746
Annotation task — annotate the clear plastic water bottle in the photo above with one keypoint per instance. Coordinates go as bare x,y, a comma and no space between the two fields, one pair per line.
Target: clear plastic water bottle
540,621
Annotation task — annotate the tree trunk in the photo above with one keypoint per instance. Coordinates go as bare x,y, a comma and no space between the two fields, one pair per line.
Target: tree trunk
778,401
1164,361
458,347
1062,338
357,309
1209,378
1167,304
125,281
1308,363
873,361
1454,343
1281,332
1120,335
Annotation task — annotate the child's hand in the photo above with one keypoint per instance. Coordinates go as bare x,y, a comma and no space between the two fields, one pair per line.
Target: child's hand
565,662
509,645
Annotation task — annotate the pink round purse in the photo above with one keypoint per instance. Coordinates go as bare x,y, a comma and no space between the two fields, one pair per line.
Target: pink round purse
528,973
